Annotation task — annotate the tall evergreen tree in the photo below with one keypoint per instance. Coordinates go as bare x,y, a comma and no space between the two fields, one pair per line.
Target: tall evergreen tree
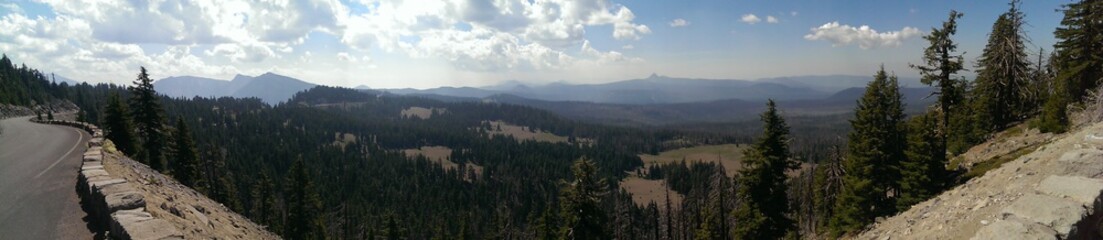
942,62
923,172
763,208
303,204
1080,48
185,159
582,216
149,118
1079,60
264,208
118,126
876,145
827,185
1002,85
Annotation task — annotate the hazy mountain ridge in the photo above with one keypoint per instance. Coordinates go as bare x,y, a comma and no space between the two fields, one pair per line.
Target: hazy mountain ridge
658,89
270,87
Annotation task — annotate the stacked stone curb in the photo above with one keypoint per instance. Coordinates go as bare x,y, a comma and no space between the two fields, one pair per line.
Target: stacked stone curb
112,200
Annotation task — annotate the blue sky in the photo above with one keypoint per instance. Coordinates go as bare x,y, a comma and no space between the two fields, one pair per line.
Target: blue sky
431,43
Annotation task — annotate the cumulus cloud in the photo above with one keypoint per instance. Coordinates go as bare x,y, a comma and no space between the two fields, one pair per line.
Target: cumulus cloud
488,35
864,36
750,19
202,37
679,23
771,19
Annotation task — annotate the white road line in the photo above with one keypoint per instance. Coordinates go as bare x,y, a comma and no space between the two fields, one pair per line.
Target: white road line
63,156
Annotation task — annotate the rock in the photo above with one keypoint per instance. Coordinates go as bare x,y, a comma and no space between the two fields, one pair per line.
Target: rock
95,142
138,224
120,196
1015,229
1083,162
175,210
93,157
1057,213
1084,190
202,218
93,173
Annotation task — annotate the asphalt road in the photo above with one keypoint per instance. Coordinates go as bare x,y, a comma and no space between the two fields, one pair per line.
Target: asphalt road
38,176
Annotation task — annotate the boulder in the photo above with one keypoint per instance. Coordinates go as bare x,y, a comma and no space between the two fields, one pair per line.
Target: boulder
1084,190
120,196
1014,228
1057,213
1082,162
96,142
139,224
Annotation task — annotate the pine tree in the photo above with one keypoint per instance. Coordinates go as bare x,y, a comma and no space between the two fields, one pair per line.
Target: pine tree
923,172
548,224
118,126
264,202
582,215
1002,85
149,118
1079,48
876,144
49,115
1079,59
827,185
763,208
942,64
185,159
303,204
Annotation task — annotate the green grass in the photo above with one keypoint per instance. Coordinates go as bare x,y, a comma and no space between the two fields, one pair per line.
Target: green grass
983,167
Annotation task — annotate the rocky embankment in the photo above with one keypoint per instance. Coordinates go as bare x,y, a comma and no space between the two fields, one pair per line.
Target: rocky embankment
135,202
1053,192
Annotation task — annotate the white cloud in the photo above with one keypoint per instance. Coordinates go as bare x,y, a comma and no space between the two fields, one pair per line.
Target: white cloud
750,19
628,47
771,19
106,40
484,36
11,7
679,23
793,13
864,36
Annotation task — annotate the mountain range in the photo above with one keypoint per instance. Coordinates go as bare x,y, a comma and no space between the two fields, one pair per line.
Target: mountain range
656,100
269,87
658,89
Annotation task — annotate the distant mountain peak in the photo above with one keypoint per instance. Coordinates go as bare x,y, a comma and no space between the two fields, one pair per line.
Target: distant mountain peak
654,75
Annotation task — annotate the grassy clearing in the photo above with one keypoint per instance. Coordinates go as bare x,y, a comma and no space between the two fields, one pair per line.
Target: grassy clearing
522,133
727,155
343,139
440,155
645,191
420,112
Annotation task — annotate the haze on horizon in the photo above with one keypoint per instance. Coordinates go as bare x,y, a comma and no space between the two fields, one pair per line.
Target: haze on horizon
428,43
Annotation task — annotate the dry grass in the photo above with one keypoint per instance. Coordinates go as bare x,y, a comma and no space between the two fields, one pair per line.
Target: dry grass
727,155
420,112
644,191
343,139
440,155
522,133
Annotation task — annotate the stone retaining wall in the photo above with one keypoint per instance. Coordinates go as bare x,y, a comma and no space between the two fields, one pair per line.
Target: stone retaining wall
113,200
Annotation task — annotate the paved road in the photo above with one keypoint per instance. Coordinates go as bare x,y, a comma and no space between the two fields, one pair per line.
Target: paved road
38,176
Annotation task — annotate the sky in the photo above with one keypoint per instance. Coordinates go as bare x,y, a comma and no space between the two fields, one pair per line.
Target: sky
432,43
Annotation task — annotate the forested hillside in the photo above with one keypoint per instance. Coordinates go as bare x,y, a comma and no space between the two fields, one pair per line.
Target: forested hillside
338,163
